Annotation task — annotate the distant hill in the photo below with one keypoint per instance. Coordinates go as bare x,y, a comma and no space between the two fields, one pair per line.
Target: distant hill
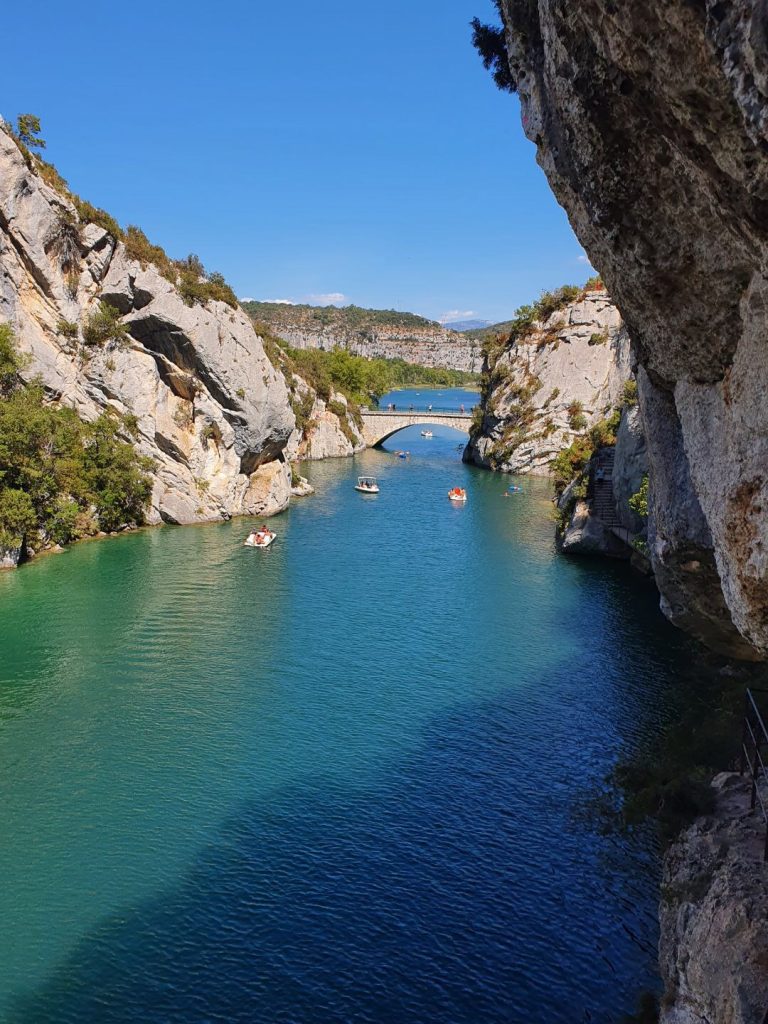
466,325
489,330
375,333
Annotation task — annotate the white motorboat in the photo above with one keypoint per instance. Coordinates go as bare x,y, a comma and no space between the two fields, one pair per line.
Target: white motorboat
260,539
367,485
457,494
427,433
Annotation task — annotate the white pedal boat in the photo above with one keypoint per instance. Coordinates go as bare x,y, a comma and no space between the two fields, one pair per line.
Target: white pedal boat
457,494
256,539
367,485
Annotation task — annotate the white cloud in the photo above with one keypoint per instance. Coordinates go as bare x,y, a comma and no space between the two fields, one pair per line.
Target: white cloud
280,302
327,299
455,314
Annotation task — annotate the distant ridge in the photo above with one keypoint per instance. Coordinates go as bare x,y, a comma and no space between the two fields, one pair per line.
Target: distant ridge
375,333
466,325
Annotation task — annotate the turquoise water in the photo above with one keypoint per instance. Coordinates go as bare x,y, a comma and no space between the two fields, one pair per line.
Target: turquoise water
332,781
439,398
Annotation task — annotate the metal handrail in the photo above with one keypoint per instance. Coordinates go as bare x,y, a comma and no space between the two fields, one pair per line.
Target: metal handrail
420,411
754,743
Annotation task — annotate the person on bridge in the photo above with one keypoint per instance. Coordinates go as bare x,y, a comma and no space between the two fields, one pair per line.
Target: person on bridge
461,407
429,407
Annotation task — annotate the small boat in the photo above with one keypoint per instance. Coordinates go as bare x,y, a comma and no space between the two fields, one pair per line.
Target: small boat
367,485
457,494
260,538
427,433
403,455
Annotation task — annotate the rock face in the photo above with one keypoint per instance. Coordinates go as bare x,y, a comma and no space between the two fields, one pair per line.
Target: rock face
629,467
580,354
372,333
714,916
210,409
325,428
651,123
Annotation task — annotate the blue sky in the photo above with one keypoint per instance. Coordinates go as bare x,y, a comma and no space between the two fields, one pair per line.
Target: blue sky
306,150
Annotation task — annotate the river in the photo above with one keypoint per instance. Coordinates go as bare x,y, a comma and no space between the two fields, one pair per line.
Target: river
332,781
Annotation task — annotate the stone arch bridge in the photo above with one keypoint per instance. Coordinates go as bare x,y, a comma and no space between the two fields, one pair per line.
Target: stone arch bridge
379,424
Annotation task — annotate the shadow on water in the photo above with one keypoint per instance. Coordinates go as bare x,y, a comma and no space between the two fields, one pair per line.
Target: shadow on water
409,901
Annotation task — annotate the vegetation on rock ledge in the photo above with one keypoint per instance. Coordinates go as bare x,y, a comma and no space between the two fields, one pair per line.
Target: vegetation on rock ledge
61,478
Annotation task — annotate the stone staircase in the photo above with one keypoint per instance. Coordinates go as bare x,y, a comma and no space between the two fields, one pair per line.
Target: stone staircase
603,501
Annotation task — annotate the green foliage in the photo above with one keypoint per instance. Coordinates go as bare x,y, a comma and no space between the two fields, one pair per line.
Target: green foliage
576,418
11,361
17,515
302,408
353,319
639,501
494,340
360,379
598,338
61,476
91,214
138,247
28,131
67,329
594,283
103,325
490,43
51,176
629,393
603,433
571,462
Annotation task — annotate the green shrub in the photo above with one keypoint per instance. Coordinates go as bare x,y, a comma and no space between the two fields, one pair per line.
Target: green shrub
104,325
598,338
639,501
571,462
17,516
62,476
67,329
91,214
629,393
11,363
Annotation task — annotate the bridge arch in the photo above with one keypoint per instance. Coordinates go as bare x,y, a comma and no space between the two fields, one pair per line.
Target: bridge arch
380,425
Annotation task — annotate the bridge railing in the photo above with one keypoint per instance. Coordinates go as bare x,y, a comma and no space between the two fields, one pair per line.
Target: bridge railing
754,753
421,410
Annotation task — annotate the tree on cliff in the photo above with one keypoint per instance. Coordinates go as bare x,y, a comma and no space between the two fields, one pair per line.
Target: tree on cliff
490,43
28,131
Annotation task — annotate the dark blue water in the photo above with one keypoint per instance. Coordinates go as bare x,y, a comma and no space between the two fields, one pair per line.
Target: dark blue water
332,781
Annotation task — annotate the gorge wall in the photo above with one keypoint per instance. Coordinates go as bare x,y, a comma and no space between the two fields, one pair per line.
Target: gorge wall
545,387
651,123
373,333
210,409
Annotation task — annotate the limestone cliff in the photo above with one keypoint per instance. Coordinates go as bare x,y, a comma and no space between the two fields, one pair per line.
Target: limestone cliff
713,945
545,387
325,429
371,333
651,123
211,410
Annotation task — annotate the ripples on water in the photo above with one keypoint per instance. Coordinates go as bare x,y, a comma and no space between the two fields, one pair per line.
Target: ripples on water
332,781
